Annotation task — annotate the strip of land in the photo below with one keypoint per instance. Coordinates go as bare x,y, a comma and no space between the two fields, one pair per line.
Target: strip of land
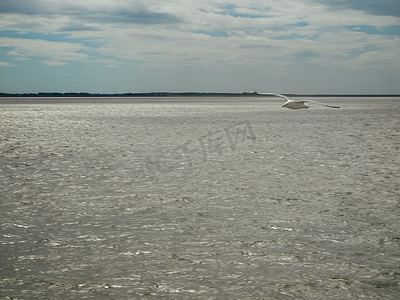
170,94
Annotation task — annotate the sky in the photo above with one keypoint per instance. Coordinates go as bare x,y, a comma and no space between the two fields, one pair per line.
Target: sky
124,46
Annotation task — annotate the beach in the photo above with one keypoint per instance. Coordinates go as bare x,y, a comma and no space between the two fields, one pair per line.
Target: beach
199,198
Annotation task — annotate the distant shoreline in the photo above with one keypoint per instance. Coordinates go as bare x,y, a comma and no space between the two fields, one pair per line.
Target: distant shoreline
180,94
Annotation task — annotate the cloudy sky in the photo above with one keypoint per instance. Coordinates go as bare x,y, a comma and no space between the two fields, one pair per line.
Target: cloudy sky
286,46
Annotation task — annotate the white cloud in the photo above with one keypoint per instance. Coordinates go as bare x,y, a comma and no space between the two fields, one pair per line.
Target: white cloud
152,34
53,51
213,33
54,63
181,31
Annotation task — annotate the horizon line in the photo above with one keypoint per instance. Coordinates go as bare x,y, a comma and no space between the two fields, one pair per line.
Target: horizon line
175,94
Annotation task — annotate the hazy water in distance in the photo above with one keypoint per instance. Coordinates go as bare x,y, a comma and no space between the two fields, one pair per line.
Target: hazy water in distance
199,198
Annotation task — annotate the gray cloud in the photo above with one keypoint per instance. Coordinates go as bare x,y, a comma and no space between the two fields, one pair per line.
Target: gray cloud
78,27
21,7
118,14
255,36
140,17
375,7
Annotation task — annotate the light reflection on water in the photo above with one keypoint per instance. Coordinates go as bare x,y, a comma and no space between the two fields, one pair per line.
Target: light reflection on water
304,206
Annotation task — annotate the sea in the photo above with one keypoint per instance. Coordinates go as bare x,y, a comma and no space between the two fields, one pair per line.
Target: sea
199,198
